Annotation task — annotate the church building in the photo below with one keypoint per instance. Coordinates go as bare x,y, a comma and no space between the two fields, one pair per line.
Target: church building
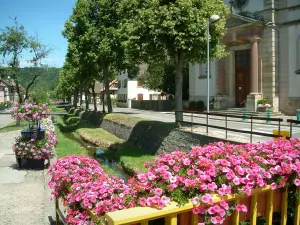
263,61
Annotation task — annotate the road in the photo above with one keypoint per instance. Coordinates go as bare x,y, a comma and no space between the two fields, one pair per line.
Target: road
217,121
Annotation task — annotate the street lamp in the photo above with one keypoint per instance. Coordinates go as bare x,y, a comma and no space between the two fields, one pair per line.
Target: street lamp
211,20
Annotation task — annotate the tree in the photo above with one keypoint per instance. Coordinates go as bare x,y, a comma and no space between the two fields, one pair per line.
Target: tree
14,42
93,31
160,76
157,29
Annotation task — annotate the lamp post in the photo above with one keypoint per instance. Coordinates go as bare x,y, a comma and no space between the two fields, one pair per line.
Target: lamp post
210,20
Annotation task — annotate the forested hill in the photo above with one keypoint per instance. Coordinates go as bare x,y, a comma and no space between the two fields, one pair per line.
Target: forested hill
47,81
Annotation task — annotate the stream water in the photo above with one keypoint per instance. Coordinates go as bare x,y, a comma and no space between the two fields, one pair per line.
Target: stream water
92,150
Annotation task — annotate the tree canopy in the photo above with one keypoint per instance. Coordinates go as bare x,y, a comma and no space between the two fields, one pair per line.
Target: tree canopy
14,42
157,29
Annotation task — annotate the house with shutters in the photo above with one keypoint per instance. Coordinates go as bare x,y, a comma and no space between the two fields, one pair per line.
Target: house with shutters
7,91
263,61
132,89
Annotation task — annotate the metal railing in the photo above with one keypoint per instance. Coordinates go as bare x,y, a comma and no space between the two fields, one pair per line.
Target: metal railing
174,214
252,119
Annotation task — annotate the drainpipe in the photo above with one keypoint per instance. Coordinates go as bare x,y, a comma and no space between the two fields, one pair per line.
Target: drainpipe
273,26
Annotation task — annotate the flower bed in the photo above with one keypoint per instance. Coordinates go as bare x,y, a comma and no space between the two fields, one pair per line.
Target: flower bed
214,169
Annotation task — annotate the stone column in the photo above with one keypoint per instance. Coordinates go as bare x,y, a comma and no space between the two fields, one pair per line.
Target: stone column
254,65
254,96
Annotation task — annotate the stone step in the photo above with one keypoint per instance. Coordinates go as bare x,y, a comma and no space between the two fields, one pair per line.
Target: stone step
240,112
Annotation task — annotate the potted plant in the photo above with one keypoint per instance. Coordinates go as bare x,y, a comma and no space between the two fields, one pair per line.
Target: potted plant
33,113
34,151
263,105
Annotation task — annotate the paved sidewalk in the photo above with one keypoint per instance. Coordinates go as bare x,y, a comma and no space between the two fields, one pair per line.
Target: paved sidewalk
24,194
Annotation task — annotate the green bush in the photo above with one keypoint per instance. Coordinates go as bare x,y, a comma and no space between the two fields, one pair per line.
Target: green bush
192,104
114,101
199,104
263,101
73,119
71,111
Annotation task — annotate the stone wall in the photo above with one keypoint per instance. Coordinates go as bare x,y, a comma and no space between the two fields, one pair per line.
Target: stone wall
157,137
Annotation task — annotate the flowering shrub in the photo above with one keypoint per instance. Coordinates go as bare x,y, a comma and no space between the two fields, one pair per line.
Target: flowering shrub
91,187
264,106
31,111
35,149
214,169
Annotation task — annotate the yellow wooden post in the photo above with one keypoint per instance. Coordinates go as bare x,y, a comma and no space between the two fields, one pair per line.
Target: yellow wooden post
236,215
284,205
269,213
57,221
194,220
171,219
297,209
253,212
145,222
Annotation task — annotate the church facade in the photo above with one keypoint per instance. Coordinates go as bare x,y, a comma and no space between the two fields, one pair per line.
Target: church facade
263,60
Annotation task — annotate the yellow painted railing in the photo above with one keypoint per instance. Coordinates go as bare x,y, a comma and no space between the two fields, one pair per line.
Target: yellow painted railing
143,215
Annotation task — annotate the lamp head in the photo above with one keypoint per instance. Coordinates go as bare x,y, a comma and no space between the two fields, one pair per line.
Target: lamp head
214,18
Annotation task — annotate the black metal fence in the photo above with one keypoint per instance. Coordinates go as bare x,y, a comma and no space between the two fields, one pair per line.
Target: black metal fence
155,105
204,115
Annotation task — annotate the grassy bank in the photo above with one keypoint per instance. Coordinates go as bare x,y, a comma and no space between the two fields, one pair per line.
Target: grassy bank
131,157
12,126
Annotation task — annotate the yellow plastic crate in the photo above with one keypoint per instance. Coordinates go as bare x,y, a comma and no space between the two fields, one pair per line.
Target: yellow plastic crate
283,133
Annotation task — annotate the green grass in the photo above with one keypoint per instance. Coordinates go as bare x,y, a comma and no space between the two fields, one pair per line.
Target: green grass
12,126
67,146
133,158
123,119
98,135
109,170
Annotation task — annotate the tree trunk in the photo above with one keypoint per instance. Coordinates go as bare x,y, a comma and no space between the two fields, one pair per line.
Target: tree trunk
107,91
94,97
75,101
28,86
80,100
178,86
103,105
20,100
86,94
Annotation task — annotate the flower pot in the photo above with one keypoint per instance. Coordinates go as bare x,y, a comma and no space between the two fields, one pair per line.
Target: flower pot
26,134
34,164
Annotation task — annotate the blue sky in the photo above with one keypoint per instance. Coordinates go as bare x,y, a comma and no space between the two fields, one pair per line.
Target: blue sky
46,18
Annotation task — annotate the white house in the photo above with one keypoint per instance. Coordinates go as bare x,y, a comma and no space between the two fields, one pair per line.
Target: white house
263,61
7,92
132,89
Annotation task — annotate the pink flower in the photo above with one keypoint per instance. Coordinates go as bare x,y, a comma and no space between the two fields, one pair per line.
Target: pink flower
273,186
187,162
158,191
196,211
241,208
143,201
191,172
173,179
195,201
297,182
206,198
165,200
202,209
224,204
212,186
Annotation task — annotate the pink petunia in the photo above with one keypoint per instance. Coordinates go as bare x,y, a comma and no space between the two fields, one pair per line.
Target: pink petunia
241,208
297,182
158,191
